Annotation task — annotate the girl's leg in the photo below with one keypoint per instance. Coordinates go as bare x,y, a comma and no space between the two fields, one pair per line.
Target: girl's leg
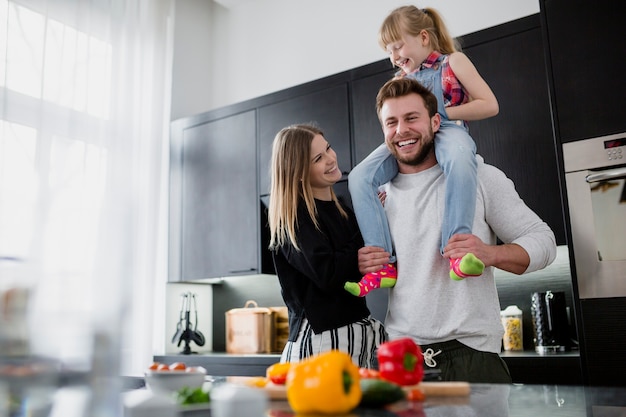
456,154
377,169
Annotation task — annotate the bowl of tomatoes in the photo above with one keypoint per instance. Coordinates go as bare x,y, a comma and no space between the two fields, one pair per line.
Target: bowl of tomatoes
170,378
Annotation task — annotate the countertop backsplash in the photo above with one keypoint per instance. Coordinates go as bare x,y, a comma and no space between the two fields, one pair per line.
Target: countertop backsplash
517,290
233,292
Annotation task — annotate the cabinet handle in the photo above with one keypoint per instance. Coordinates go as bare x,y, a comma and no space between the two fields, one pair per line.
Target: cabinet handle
239,271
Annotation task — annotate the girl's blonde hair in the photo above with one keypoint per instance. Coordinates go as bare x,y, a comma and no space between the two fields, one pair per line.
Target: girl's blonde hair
411,20
289,169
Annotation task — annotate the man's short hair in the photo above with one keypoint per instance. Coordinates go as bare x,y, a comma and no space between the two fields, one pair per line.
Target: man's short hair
400,87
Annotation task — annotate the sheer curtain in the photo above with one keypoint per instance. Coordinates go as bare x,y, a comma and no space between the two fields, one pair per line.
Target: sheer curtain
84,116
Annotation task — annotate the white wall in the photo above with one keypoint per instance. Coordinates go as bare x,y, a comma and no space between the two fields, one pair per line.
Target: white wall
224,55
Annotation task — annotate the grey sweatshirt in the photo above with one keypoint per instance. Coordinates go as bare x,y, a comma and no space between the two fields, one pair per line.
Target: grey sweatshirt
426,304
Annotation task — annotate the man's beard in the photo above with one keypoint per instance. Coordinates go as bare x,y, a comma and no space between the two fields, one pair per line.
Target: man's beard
427,144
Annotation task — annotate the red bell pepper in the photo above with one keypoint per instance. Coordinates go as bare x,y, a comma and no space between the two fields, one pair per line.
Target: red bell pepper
401,361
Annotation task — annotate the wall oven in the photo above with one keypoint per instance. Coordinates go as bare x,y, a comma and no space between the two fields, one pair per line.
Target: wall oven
595,176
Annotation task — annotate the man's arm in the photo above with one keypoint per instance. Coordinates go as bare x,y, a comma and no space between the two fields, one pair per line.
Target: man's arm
516,225
509,257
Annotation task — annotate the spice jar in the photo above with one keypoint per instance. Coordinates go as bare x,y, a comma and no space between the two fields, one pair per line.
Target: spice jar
512,322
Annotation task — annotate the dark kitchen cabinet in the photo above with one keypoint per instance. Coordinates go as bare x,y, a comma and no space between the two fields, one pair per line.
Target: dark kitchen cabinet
214,217
220,159
587,64
368,134
519,140
327,107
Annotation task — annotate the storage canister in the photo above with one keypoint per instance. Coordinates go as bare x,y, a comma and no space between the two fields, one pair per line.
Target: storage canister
250,329
513,339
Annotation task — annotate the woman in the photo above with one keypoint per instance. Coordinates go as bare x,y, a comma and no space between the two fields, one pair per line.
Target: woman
314,241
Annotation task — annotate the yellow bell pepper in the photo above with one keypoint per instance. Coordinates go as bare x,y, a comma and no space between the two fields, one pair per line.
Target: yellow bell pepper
327,383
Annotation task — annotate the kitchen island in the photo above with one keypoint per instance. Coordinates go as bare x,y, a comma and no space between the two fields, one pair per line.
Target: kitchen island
526,367
493,400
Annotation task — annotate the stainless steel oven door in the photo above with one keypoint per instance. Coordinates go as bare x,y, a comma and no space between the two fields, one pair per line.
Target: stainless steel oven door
596,192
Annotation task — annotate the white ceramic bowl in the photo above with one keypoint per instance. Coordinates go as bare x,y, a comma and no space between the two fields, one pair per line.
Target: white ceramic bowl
170,381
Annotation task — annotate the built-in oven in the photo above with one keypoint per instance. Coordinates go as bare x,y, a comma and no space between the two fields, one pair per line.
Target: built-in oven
595,176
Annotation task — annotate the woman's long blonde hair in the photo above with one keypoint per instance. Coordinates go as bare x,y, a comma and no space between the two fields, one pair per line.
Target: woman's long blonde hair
289,170
411,20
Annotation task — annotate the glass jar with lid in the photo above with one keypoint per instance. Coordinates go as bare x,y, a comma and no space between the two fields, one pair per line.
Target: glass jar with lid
513,339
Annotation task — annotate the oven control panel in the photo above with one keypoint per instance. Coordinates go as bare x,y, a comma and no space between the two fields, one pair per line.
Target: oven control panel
615,148
601,152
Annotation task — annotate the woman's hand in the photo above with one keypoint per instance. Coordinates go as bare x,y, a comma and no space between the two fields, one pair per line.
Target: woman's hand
382,196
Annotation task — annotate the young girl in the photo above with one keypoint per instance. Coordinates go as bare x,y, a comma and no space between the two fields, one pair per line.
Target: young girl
314,241
419,44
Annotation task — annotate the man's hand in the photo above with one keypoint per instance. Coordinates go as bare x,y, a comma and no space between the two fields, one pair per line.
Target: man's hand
372,258
461,244
508,257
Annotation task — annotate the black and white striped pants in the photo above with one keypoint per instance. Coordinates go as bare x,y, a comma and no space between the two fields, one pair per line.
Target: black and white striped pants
360,340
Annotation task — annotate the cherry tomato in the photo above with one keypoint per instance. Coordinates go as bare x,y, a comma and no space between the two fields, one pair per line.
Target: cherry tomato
163,367
154,366
195,369
415,395
178,366
367,373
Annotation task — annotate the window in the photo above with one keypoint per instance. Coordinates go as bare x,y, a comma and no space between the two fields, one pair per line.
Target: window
83,111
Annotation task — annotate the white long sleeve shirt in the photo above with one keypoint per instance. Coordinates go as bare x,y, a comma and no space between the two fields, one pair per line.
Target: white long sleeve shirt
426,304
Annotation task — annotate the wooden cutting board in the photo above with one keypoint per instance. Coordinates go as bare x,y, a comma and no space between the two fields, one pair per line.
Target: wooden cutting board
430,388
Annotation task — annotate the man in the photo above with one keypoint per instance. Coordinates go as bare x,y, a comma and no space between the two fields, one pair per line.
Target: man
457,323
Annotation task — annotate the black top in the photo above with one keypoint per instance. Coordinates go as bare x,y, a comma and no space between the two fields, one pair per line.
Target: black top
312,279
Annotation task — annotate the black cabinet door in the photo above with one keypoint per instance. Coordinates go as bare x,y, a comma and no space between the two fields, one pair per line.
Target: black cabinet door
328,108
519,140
588,64
218,223
368,133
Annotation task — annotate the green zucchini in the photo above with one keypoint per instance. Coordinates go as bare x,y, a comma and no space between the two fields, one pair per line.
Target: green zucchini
379,392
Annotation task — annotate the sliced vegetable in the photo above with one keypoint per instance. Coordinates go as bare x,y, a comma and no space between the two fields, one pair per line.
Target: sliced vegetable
368,373
277,373
177,366
415,394
257,382
378,392
327,383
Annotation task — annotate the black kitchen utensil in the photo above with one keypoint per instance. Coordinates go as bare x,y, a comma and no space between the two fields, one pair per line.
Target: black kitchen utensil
186,331
180,326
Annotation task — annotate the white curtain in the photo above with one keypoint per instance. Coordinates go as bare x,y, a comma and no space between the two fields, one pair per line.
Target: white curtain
84,116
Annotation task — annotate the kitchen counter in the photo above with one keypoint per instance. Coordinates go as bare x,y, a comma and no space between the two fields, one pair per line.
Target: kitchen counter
225,363
526,367
494,400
